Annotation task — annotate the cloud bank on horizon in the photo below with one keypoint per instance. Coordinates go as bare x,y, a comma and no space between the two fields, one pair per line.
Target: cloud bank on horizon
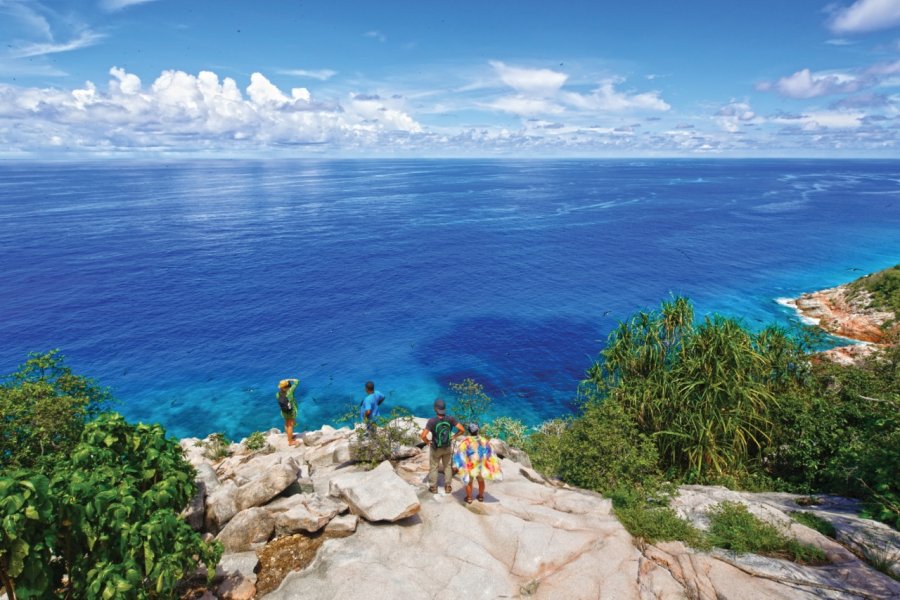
198,82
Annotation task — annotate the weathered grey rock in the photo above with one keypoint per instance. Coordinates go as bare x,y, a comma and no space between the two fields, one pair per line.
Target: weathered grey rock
520,456
221,506
248,527
500,448
207,475
310,514
242,564
404,452
376,495
193,451
306,484
195,512
343,524
237,588
334,452
269,484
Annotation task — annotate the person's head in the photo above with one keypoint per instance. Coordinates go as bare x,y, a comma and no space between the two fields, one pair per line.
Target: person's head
440,408
284,384
370,386
472,428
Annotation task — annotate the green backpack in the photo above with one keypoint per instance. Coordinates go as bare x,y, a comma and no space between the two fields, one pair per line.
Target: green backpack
443,431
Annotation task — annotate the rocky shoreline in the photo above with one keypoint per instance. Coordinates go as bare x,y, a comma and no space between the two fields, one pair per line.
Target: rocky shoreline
309,522
846,314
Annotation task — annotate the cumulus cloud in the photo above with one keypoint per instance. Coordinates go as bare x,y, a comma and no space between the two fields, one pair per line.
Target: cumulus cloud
540,91
866,15
537,82
805,84
734,114
184,111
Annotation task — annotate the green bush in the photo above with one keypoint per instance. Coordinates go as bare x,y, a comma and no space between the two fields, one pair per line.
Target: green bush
512,431
43,409
814,521
470,403
603,449
544,446
27,535
884,288
255,441
370,448
733,527
216,446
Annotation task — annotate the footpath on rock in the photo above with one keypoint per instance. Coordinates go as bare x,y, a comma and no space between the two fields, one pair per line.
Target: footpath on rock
309,522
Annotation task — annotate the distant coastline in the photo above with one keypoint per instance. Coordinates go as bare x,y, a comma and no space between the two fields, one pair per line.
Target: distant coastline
846,311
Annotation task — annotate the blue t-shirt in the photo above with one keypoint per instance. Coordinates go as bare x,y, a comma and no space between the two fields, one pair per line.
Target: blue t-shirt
370,404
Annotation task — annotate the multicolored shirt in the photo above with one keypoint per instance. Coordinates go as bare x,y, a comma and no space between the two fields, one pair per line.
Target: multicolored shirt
475,458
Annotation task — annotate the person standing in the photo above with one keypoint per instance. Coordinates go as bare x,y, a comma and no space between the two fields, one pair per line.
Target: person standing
475,460
441,427
368,408
288,405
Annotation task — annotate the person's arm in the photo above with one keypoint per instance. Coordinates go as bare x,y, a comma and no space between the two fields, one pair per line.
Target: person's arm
424,435
460,431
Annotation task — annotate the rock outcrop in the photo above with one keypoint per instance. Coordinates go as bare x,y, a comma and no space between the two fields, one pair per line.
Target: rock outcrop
531,537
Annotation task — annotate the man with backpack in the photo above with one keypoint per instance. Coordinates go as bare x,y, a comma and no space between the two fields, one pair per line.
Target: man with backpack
368,408
441,428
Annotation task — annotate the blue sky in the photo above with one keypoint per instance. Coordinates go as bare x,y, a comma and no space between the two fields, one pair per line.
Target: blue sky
500,78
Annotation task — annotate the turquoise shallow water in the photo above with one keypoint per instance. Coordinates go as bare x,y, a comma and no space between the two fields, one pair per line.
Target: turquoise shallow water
191,288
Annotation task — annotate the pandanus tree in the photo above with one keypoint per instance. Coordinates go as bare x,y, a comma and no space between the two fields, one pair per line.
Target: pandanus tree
704,391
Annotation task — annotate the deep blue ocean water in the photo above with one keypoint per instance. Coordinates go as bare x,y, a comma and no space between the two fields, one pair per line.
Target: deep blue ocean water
191,288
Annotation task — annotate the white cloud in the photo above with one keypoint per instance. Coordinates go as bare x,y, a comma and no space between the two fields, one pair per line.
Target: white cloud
817,120
806,84
537,82
320,74
734,114
113,5
188,112
525,106
607,98
866,15
84,39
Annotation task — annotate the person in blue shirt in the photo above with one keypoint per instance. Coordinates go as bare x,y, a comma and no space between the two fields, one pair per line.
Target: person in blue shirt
368,408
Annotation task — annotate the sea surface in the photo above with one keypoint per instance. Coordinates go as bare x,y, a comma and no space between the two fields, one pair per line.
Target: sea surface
190,288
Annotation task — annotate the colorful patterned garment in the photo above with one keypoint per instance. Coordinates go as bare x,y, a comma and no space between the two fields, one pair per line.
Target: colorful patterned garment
475,458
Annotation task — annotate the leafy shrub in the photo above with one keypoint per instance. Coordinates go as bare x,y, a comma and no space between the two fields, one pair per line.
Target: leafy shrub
43,409
603,449
733,527
371,447
216,446
884,288
255,441
814,521
511,431
470,403
108,524
544,446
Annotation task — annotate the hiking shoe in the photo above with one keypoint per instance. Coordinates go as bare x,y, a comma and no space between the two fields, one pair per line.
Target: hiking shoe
448,489
432,489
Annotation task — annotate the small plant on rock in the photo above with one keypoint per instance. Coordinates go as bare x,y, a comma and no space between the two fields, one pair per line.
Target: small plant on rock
733,527
386,440
216,446
256,441
471,403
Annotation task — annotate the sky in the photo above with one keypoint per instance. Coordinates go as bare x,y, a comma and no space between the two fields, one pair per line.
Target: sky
504,78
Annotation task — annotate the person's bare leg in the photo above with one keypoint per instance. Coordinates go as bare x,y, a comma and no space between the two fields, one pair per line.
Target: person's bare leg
289,431
469,491
480,489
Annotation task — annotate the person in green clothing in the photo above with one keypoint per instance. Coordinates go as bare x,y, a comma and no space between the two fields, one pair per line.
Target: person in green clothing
288,405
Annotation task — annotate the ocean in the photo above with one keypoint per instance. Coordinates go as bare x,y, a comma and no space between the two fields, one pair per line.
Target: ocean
190,288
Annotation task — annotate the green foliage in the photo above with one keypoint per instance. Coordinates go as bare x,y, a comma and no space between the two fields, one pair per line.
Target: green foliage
647,515
733,527
512,431
216,446
27,534
255,441
97,512
43,409
471,403
390,433
544,446
704,393
841,433
118,502
884,288
814,521
603,449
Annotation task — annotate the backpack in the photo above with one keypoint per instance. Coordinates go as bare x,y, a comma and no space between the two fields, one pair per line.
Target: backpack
283,403
443,430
